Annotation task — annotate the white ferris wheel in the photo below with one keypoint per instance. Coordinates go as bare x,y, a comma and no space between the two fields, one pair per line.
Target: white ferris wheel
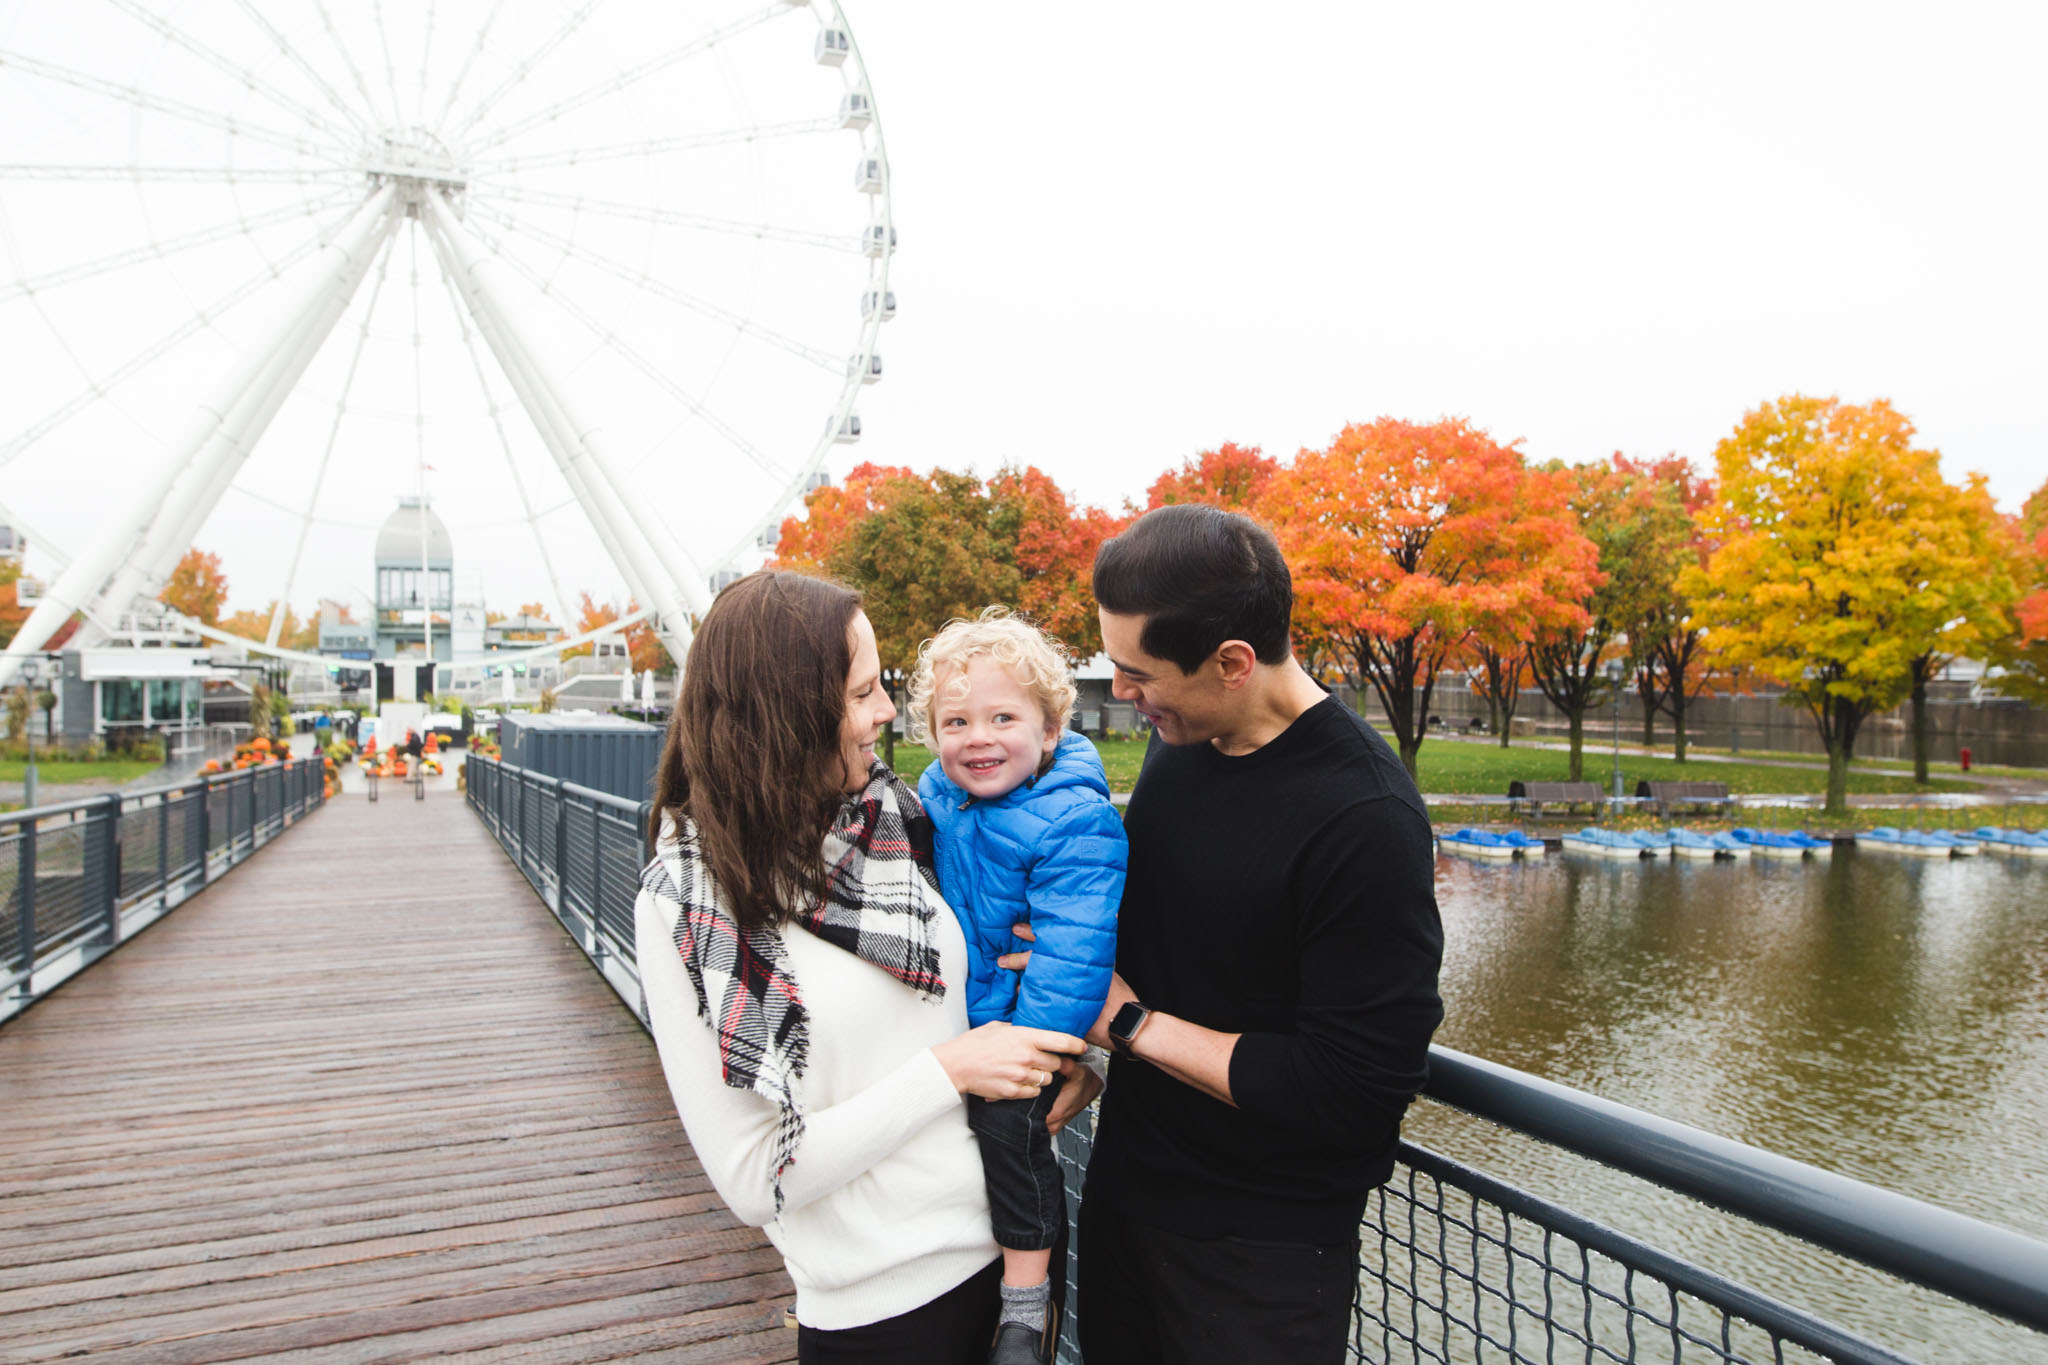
603,279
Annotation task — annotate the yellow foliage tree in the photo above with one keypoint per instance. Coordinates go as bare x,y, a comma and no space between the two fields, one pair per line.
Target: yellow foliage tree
1842,557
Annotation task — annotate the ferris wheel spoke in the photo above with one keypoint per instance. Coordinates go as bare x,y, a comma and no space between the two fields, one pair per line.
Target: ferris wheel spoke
98,387
655,147
142,99
470,344
169,247
628,78
305,515
702,222
348,59
824,360
238,72
483,36
521,72
225,175
610,339
298,59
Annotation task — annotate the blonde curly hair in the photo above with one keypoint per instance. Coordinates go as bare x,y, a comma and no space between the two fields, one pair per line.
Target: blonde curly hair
1040,664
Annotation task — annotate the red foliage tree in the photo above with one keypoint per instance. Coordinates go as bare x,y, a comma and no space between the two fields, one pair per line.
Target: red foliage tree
1405,539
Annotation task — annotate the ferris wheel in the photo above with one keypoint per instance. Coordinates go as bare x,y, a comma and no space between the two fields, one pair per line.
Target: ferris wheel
601,279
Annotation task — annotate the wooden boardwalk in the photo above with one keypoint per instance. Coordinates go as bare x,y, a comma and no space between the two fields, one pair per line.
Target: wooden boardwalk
363,1100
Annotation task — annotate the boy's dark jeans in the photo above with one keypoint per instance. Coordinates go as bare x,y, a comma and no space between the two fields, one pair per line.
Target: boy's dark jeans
1027,1204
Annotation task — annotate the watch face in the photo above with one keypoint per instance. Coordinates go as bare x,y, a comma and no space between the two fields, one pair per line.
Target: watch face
1127,1020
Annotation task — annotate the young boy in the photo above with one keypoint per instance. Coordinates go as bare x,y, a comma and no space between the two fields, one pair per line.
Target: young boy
1026,833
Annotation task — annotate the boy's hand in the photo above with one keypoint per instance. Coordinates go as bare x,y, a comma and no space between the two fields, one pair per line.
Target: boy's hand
1083,1084
1017,962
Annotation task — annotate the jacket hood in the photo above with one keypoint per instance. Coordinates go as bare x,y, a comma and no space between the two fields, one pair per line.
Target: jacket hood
1074,764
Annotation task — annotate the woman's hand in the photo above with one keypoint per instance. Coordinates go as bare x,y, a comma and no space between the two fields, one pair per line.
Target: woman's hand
1083,1085
1001,1061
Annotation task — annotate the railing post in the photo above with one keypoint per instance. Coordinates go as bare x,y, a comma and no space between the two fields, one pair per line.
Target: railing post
561,868
25,883
110,864
163,849
596,885
205,831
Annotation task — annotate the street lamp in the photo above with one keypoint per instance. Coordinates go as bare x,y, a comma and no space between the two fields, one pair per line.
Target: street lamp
1614,684
31,672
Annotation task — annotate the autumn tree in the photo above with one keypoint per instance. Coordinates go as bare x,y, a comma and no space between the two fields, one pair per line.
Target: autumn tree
1501,667
1668,654
255,625
1231,476
2022,654
1056,545
1841,556
198,587
1404,539
12,613
1635,526
644,648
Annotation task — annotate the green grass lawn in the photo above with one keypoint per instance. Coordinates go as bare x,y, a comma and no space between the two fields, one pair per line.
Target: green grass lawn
97,770
1486,769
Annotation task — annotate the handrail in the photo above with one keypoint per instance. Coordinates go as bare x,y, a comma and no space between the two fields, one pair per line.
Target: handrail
91,873
1978,1263
1995,1269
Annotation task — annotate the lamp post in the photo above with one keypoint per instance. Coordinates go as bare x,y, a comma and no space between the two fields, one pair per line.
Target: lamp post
1614,685
31,672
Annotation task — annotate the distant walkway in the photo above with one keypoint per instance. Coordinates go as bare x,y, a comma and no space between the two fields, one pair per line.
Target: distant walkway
362,1101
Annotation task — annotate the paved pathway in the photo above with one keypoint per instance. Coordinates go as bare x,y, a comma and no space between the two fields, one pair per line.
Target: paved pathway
362,1100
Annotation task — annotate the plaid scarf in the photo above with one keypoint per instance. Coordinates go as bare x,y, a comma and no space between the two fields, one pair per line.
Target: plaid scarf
880,895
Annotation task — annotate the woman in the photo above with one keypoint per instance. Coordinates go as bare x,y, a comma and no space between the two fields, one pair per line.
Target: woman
804,981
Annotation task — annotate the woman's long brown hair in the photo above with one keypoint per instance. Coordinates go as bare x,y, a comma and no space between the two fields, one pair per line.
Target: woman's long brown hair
753,749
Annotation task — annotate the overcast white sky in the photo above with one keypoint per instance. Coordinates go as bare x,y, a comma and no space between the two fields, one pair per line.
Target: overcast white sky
1129,233
1132,232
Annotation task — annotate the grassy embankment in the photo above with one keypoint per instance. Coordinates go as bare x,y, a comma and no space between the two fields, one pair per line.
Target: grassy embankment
1468,768
80,770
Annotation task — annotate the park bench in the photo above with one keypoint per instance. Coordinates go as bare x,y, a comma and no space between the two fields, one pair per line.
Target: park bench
1668,796
1532,797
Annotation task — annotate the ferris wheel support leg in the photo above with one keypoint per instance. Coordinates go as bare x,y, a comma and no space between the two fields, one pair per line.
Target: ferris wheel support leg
169,538
633,564
677,586
91,581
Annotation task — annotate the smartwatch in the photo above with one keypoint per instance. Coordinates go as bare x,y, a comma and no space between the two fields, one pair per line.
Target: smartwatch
1123,1028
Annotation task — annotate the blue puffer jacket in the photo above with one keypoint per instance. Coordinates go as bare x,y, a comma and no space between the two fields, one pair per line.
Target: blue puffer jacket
1052,853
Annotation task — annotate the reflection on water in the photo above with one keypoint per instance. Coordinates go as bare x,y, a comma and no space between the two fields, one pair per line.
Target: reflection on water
1883,1017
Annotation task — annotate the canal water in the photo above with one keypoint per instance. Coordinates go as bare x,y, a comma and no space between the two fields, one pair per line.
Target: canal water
1878,1016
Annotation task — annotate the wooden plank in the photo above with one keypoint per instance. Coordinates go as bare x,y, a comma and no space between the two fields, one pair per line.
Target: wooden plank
362,1100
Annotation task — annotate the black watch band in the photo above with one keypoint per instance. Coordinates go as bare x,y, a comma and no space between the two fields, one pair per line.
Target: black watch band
1124,1026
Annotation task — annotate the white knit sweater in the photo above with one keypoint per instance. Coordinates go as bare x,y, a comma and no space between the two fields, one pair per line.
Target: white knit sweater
883,1207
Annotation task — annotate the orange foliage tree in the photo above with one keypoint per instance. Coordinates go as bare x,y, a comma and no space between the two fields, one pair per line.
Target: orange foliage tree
198,587
1405,539
1231,476
2024,653
644,649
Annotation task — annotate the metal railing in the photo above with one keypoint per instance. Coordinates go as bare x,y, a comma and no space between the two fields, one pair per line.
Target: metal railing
1455,1265
79,878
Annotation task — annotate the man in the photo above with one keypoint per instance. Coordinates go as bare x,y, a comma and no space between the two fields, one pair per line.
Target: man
1277,960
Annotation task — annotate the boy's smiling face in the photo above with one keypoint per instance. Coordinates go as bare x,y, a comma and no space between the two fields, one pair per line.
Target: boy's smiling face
992,734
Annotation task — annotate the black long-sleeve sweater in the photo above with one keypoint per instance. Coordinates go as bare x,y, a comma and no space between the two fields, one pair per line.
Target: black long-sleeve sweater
1287,895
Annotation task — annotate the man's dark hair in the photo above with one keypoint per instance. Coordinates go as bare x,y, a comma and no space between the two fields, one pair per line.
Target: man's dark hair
1199,576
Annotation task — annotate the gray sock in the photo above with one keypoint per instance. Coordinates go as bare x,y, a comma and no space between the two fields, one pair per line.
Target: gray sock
1027,1305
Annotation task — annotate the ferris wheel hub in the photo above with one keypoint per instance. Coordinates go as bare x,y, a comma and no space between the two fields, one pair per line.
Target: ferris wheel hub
414,161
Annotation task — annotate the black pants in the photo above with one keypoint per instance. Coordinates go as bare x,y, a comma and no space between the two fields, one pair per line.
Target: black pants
1027,1204
1148,1297
953,1329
